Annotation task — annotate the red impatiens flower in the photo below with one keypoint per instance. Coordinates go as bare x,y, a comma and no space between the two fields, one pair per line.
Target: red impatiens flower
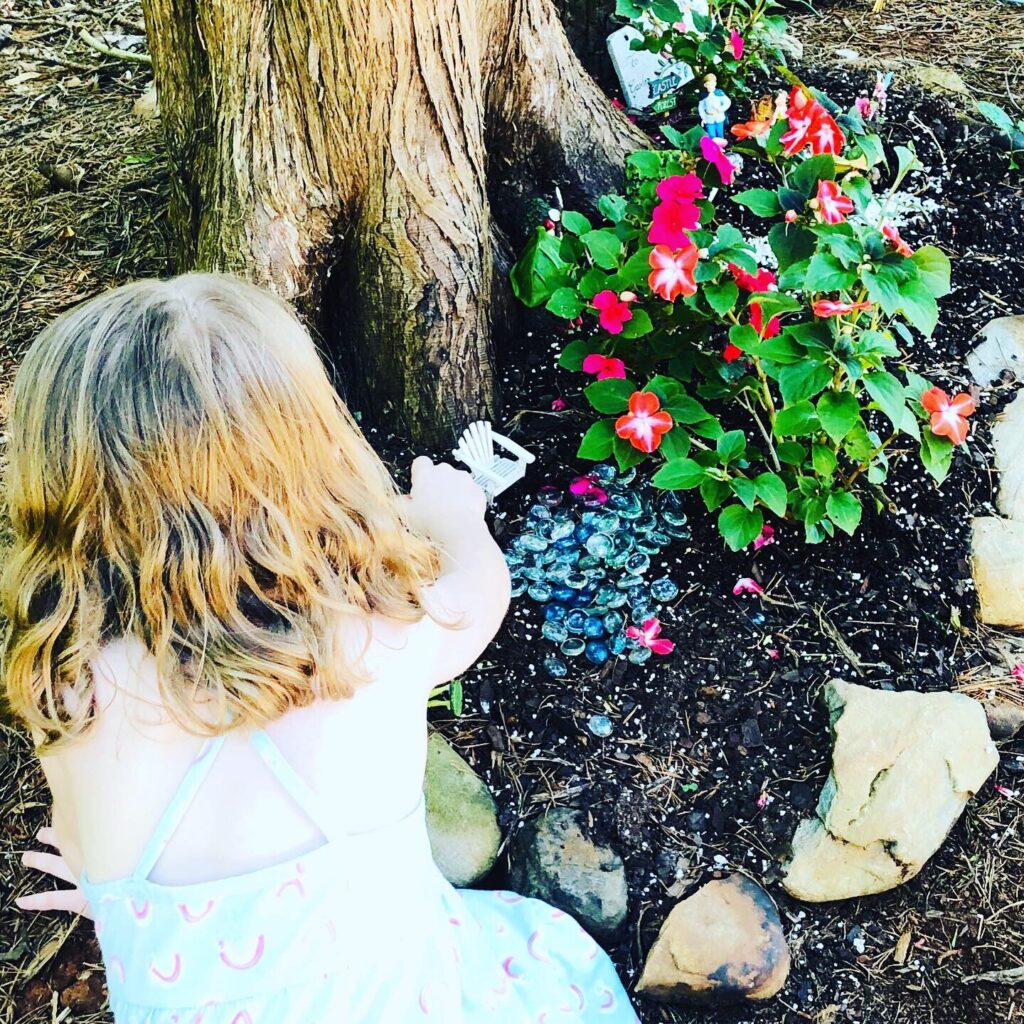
949,415
713,150
763,281
830,307
764,331
892,236
672,273
751,129
810,124
645,422
647,636
604,366
731,353
736,44
832,205
613,310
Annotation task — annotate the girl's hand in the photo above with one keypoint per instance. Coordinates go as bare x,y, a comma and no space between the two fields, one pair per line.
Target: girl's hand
70,900
443,500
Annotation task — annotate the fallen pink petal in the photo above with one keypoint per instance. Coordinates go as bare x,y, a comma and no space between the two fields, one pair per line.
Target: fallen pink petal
766,537
746,585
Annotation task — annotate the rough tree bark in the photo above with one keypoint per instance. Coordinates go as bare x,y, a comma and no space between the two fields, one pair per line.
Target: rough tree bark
340,152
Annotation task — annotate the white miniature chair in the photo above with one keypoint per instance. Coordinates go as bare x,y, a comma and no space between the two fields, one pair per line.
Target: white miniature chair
492,472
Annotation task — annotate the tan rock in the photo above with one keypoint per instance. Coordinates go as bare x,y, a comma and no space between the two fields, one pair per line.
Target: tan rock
904,766
1001,349
941,80
1005,718
1008,444
462,817
146,105
723,944
997,564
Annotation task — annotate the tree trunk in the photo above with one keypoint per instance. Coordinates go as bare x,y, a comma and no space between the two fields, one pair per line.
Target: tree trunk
339,153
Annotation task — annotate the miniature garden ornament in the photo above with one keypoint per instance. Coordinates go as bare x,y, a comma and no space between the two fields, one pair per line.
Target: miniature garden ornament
492,472
712,108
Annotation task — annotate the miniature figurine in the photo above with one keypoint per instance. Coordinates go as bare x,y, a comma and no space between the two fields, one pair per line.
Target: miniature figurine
712,108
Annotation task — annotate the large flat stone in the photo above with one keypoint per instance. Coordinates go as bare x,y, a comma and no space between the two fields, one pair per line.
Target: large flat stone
904,766
1001,349
997,564
1008,444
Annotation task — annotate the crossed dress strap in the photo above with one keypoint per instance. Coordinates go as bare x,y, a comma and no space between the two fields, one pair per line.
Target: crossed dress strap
296,787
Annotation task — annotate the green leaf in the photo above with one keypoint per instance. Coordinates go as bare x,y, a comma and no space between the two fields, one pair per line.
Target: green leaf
888,392
796,420
574,353
565,302
826,274
936,455
803,380
597,441
772,491
714,492
805,176
792,278
791,199
575,223
792,453
781,349
932,269
839,413
731,446
918,305
745,490
791,243
679,475
684,409
722,297
610,395
995,115
871,147
907,160
638,326
824,461
762,201
626,456
540,270
612,207
675,444
592,282
883,289
740,526
604,247
858,188
844,510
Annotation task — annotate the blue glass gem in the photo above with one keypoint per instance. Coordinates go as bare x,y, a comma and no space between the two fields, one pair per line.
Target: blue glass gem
607,522
555,667
573,647
576,620
539,512
639,655
600,545
600,726
638,563
618,600
555,612
613,621
540,592
563,593
597,652
562,531
603,473
663,589
554,631
576,580
519,585
550,496
757,619
593,627
618,644
531,542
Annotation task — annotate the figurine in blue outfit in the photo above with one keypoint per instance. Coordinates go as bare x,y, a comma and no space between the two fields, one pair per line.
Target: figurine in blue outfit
712,108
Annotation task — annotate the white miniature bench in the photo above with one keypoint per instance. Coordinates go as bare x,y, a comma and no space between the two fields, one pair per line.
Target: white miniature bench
494,473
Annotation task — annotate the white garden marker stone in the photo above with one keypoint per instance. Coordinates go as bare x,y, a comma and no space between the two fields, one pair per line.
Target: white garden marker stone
646,76
493,472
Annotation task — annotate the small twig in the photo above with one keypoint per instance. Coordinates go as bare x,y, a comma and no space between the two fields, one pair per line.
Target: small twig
112,51
1011,976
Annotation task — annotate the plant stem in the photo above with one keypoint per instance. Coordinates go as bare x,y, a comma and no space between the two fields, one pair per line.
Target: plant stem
848,482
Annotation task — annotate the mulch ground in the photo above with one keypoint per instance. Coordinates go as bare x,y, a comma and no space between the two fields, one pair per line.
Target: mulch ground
699,736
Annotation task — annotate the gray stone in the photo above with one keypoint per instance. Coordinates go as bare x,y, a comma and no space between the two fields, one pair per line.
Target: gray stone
1008,446
790,46
553,860
723,944
904,766
462,818
1001,349
1005,718
997,565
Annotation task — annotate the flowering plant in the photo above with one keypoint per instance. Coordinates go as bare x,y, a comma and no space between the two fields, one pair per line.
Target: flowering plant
732,39
769,388
1011,131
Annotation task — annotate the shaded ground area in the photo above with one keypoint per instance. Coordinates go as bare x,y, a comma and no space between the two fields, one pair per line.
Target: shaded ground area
702,736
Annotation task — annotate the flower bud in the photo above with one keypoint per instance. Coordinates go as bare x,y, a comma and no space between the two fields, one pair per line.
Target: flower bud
791,216
627,297
703,253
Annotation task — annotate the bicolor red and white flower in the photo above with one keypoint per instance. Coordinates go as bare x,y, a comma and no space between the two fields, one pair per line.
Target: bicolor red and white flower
763,281
713,150
672,271
810,124
645,423
613,310
832,307
892,236
604,367
647,636
832,206
948,415
751,129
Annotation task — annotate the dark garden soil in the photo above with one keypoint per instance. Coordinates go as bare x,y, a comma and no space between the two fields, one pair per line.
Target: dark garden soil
703,737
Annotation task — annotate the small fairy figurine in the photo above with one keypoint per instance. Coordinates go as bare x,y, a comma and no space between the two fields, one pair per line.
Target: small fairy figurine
712,108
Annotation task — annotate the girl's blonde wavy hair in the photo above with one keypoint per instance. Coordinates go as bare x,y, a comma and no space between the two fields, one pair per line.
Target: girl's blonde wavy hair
182,471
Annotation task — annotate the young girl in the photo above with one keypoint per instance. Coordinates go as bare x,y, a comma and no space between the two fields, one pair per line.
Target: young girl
223,624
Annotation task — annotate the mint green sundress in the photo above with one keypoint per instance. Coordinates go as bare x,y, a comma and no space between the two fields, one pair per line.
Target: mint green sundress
362,930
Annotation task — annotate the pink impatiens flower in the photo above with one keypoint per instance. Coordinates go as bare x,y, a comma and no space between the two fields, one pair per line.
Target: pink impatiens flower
714,152
731,353
766,537
892,236
833,206
647,636
604,366
864,107
1018,672
832,307
736,44
645,422
587,488
680,188
558,405
949,415
672,273
613,310
670,222
746,585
